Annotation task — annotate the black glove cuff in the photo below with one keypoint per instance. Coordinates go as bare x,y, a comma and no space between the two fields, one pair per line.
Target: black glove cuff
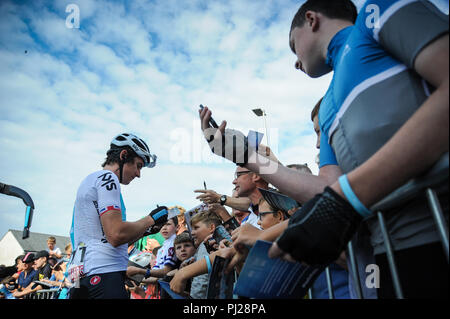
319,231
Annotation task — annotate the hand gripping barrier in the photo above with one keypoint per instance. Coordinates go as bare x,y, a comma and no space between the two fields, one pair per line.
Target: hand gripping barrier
433,182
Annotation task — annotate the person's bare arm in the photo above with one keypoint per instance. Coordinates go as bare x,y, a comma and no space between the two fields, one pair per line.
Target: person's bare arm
32,287
299,186
158,273
150,280
178,282
210,197
120,232
220,211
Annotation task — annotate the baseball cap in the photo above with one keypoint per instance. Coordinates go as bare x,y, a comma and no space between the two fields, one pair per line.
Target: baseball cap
28,258
42,253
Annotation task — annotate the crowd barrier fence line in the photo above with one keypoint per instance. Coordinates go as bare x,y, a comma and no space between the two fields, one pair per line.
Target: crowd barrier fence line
44,294
431,183
436,178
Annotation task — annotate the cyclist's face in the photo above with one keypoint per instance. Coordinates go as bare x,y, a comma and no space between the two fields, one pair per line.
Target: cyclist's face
132,170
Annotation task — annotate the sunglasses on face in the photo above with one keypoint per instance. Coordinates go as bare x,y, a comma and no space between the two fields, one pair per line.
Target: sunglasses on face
239,174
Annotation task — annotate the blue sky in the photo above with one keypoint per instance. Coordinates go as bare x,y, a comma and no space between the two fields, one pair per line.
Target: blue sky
142,67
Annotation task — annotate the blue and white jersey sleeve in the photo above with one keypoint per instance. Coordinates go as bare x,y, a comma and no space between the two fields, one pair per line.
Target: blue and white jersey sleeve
404,27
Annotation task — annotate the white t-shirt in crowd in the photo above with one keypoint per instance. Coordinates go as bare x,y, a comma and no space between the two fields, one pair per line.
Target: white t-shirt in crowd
166,254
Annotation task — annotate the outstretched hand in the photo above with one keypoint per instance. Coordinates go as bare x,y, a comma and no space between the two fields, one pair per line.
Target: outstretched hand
205,116
208,196
228,143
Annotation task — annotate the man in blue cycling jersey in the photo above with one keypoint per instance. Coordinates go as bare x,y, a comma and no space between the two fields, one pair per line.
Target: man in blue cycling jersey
100,233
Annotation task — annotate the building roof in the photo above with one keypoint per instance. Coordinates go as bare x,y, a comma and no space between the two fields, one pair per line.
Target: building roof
38,241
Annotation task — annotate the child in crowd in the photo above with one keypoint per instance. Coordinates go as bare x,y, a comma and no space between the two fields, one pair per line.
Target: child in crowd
166,259
268,216
203,224
184,250
53,251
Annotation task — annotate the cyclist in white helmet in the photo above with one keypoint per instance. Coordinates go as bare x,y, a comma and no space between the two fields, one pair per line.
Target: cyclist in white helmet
100,232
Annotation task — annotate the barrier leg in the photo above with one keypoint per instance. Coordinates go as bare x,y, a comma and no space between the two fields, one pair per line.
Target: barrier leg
436,210
310,295
355,272
390,257
329,283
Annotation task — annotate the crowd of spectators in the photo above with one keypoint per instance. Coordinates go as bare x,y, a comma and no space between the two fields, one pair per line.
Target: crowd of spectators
37,271
364,156
184,250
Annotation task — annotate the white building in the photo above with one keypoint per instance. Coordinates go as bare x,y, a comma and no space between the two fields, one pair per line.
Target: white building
12,245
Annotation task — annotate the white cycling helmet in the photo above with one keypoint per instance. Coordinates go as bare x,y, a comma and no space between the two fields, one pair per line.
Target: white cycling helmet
137,145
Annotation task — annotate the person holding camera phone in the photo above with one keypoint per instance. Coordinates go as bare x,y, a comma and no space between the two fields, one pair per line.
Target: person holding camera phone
100,232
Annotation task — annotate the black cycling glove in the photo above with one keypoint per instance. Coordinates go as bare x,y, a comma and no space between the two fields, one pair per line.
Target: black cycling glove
319,231
159,215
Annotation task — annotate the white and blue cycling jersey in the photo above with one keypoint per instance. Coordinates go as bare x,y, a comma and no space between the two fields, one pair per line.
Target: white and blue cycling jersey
98,194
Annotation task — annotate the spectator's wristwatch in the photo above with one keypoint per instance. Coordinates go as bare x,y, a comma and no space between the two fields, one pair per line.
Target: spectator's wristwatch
223,199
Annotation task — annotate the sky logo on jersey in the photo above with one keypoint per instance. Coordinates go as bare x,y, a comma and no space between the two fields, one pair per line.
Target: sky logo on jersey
108,208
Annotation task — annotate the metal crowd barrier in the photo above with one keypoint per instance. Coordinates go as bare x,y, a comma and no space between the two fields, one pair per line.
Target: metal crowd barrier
430,183
44,294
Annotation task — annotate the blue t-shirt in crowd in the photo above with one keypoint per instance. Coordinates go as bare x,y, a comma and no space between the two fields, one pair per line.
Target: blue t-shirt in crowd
26,281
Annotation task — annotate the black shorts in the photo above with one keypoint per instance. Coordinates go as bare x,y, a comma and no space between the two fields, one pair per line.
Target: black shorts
101,286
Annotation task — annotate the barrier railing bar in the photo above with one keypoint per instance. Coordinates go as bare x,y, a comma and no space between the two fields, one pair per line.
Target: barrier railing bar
439,219
355,272
390,257
329,283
